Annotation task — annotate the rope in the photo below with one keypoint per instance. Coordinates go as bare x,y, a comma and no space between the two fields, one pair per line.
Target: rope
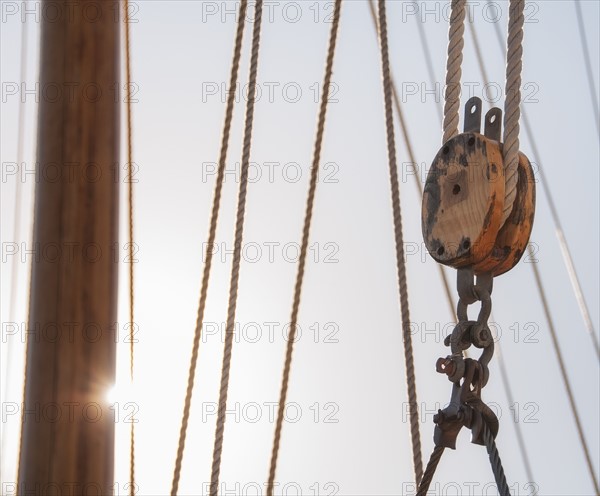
436,455
235,270
563,371
562,241
512,111
304,246
495,461
235,63
132,489
453,69
401,267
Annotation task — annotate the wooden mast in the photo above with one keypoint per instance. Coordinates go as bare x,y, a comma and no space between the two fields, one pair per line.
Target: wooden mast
68,428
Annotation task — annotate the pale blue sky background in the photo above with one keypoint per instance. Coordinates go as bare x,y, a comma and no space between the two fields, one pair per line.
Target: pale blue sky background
181,51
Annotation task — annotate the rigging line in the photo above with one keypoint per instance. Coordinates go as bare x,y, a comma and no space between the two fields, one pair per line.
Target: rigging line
495,461
237,251
132,488
401,267
512,103
436,455
456,43
503,370
235,64
14,277
411,155
304,247
562,241
588,64
563,370
428,61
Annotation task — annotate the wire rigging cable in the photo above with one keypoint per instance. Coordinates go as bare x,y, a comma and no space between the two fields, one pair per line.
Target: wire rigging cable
132,488
400,264
495,461
432,464
237,250
304,246
235,63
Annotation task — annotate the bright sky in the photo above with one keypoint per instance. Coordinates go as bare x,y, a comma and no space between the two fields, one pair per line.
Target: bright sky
347,431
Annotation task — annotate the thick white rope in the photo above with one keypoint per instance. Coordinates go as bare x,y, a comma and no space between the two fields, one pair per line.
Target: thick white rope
512,103
456,43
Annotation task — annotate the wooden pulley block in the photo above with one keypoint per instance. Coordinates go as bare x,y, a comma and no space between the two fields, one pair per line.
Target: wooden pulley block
464,193
513,236
464,199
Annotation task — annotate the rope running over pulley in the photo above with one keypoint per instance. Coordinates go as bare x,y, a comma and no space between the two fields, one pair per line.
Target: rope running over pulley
478,210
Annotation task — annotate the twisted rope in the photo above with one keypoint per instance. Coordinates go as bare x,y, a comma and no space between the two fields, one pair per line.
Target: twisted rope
453,69
132,489
495,461
436,455
512,112
304,247
211,239
237,253
401,267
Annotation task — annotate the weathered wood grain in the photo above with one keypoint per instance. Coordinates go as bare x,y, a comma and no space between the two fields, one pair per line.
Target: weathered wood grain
513,236
463,200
